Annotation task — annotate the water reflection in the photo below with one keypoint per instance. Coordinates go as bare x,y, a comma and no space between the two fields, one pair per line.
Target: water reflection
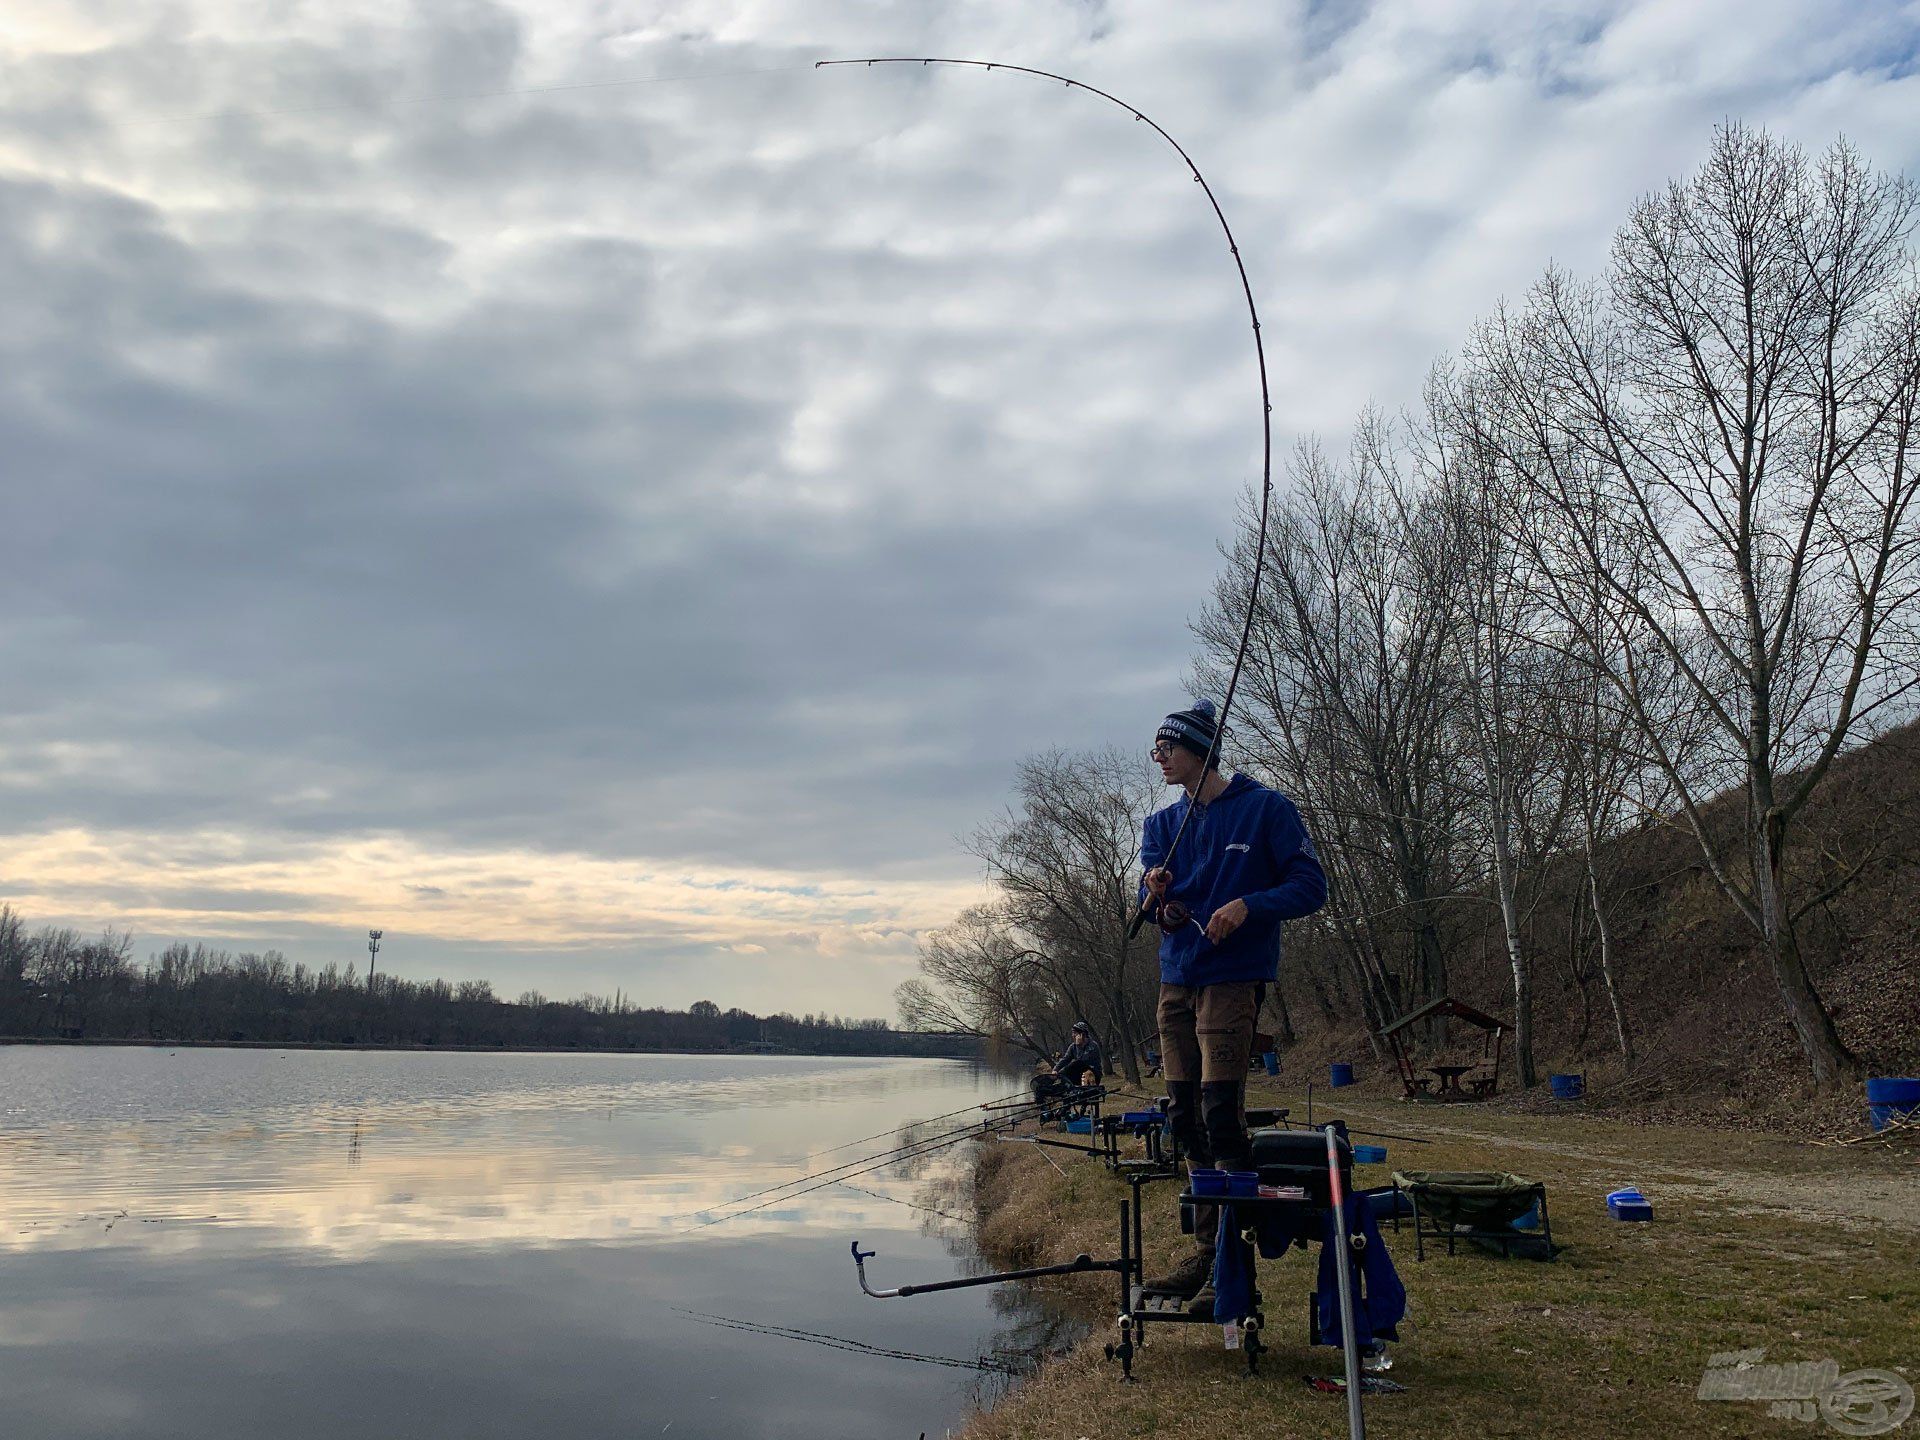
214,1242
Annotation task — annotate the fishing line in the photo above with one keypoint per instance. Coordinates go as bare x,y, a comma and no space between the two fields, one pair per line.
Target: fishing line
1266,404
990,1363
910,1204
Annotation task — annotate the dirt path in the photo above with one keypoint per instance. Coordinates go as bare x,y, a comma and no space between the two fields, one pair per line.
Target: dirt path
1755,1175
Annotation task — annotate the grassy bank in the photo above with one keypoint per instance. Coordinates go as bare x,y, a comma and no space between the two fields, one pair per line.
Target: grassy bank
1809,1252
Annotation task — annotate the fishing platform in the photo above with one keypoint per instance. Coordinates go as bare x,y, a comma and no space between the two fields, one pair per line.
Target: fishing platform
1300,1193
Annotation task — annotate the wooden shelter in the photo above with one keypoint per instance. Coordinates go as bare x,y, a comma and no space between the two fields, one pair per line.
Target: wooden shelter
1465,1082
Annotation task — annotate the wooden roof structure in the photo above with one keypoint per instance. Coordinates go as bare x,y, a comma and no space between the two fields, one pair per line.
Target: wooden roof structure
1482,1080
1446,1005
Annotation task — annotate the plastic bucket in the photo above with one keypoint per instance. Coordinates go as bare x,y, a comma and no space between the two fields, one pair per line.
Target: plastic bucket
1208,1182
1369,1154
1339,1073
1243,1183
1272,1062
1080,1127
1386,1202
1891,1098
1568,1087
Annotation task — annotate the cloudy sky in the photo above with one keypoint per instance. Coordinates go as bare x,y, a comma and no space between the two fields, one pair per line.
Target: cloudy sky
570,484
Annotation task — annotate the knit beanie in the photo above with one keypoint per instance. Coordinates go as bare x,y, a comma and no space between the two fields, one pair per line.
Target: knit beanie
1193,729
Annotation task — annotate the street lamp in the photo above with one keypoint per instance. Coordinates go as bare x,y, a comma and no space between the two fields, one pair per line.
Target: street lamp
373,955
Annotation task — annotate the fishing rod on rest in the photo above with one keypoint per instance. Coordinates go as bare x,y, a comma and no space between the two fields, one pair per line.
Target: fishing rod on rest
961,1132
838,1179
949,1137
912,1150
915,1124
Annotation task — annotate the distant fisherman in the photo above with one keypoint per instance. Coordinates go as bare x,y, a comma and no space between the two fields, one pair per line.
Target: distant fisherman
1080,1063
1244,865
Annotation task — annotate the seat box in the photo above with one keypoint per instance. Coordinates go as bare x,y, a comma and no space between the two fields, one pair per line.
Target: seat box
1299,1157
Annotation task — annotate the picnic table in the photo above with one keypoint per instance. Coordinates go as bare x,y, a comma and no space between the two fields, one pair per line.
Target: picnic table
1450,1077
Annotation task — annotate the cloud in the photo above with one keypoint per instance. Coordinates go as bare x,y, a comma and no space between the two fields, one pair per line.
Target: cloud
728,476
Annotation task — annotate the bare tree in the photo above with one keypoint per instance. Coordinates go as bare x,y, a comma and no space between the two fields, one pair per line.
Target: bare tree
1345,702
979,978
1065,860
1505,675
1744,395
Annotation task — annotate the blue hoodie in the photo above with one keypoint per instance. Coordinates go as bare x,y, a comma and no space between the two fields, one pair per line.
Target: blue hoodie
1247,844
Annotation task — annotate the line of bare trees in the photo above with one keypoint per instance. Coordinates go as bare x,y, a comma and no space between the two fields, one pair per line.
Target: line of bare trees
55,983
1646,554
1051,945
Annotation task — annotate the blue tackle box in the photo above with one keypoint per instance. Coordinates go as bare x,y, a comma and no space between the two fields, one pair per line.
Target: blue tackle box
1629,1204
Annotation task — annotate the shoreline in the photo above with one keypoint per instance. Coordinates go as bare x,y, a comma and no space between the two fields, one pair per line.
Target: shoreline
1758,1242
6,1040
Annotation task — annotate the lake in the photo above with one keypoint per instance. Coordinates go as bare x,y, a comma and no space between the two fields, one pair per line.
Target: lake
223,1243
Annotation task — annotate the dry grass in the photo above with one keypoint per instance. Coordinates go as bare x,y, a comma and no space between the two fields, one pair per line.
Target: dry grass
1758,1242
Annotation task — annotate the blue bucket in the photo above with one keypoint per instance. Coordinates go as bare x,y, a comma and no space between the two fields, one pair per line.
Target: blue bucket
1080,1127
1245,1183
1339,1073
1892,1098
1386,1202
1207,1182
1568,1087
1272,1062
1369,1154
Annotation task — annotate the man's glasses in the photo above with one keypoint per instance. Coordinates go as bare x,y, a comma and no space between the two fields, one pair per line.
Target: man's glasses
1161,750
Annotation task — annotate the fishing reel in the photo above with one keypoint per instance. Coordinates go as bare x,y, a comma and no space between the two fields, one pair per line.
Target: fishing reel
1171,916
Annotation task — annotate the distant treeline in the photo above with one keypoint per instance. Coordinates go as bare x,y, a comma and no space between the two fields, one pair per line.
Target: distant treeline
55,984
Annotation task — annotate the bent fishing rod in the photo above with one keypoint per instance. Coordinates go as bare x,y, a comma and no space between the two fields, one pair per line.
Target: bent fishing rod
1146,906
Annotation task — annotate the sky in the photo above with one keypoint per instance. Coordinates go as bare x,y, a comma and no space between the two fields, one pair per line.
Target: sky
580,489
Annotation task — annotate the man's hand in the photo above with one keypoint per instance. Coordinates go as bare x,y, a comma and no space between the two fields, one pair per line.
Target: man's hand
1227,919
1158,881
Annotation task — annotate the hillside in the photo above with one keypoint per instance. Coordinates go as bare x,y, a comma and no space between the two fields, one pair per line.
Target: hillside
1712,1042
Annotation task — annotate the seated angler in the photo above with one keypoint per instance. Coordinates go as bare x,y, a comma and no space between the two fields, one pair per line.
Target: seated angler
1244,864
1079,1064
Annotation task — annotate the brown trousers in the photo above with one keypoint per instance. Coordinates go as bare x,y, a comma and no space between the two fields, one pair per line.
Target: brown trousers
1206,1031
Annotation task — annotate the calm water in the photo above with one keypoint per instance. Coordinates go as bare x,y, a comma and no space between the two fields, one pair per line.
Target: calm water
227,1243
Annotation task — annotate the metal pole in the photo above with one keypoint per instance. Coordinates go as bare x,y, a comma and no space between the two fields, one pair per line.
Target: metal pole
373,954
1343,1262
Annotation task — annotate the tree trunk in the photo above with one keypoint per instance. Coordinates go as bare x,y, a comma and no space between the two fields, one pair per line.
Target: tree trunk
1826,1053
1606,962
1516,957
1280,1006
1126,1040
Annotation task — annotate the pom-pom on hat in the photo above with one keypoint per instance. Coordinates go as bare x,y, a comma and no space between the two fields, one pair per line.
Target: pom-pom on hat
1193,729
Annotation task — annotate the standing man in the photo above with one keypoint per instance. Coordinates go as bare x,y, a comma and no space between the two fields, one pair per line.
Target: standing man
1244,865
